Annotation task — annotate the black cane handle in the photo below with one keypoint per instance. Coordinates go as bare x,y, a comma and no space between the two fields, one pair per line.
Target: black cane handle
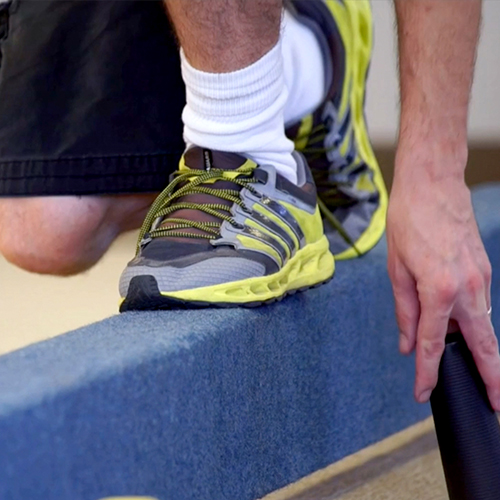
467,428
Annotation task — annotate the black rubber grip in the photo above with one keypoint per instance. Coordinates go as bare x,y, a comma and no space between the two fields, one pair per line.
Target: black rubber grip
467,428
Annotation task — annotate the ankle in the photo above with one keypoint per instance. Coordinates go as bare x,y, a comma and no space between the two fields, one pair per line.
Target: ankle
241,112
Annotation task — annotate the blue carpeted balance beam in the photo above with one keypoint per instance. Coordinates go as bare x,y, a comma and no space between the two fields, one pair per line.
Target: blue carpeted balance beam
214,404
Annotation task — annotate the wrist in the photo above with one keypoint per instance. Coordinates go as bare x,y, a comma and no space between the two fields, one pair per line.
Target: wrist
419,188
430,159
439,130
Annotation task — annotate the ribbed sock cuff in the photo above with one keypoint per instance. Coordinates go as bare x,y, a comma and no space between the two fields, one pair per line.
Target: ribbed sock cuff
240,111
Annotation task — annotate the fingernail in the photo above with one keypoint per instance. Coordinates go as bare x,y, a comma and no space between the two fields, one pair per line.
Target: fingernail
402,343
404,346
424,396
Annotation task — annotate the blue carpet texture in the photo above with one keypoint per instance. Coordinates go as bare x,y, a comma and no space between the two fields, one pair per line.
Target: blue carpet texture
214,405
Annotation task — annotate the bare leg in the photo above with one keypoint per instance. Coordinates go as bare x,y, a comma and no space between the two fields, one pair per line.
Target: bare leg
65,235
232,65
219,36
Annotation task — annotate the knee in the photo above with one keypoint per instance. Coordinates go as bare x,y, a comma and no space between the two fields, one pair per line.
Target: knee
55,235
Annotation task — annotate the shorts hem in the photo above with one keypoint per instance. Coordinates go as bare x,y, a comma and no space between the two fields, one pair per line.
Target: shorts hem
119,174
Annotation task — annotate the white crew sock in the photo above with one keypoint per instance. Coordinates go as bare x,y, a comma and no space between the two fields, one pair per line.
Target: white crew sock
241,111
304,69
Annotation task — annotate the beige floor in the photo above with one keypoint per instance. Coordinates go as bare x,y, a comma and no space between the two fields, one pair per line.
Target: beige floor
419,479
406,466
33,308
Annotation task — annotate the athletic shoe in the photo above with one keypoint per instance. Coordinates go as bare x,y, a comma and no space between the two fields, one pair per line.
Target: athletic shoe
227,232
334,138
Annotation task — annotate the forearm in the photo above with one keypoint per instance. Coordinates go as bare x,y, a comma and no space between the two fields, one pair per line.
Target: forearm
437,48
439,269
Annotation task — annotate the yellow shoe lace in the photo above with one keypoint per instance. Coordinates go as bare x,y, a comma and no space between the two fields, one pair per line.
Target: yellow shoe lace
189,181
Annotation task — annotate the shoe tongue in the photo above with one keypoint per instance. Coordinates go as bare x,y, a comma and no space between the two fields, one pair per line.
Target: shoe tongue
198,158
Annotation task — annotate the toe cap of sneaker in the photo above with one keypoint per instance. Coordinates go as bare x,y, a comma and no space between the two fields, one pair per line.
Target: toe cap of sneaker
210,272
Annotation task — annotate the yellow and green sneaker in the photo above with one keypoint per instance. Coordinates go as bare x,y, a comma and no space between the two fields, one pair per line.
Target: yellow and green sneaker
334,138
228,232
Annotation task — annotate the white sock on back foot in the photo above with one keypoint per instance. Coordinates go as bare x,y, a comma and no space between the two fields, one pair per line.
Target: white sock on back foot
241,111
245,111
304,69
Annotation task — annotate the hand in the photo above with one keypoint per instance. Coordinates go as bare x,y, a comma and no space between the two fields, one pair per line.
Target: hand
440,273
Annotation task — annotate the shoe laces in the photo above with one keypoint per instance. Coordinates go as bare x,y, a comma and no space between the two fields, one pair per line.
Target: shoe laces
194,181
330,195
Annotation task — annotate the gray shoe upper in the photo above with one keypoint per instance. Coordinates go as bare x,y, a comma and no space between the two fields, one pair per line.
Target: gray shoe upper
185,263
337,173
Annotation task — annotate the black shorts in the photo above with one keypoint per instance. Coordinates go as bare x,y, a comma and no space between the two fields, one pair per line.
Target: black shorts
91,97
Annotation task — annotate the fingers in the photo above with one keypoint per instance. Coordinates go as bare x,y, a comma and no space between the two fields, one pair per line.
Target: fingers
468,305
487,273
407,308
477,329
431,334
482,342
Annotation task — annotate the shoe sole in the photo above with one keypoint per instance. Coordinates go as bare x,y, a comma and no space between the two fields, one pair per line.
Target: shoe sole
310,267
359,22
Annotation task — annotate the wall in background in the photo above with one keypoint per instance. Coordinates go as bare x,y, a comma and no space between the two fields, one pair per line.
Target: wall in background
383,94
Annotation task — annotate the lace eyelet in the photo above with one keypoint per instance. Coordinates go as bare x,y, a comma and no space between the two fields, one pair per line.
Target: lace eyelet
145,240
